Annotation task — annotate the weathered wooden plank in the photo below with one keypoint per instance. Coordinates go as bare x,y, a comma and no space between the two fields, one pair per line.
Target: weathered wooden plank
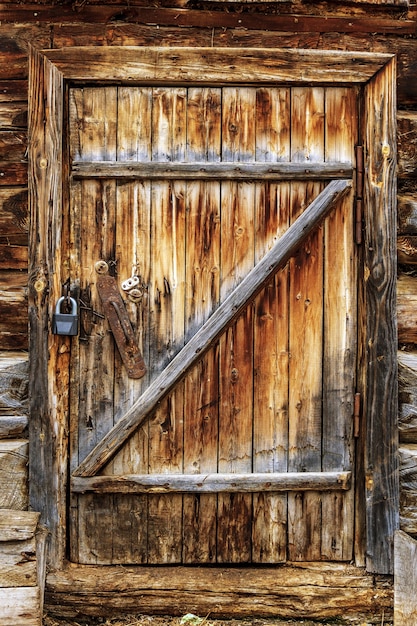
12,425
271,352
407,249
14,474
382,490
47,354
170,16
210,170
306,332
230,309
408,482
13,216
214,483
13,145
13,383
406,307
405,579
407,396
407,214
17,525
13,115
18,567
325,590
13,174
339,330
215,65
20,606
407,144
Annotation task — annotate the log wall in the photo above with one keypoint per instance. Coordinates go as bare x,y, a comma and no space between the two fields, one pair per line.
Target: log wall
367,26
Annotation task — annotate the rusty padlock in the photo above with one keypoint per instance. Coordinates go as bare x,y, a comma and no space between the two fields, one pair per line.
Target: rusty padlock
65,323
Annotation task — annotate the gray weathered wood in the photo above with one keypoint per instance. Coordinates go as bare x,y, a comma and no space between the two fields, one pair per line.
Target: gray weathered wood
14,474
209,170
213,483
230,309
17,525
12,425
380,254
408,481
407,396
405,580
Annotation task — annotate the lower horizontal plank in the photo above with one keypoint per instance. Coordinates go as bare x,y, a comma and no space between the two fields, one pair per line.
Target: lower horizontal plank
20,606
213,483
317,590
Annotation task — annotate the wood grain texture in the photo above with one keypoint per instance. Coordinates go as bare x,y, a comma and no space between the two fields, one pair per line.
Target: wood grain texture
21,606
407,396
14,474
405,581
408,480
382,491
211,329
214,65
324,590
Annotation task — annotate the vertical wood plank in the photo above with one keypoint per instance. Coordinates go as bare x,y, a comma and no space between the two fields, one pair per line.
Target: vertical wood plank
340,330
48,394
306,337
381,464
167,315
93,136
270,404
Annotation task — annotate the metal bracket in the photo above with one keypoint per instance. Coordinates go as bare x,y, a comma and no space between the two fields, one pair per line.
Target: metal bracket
121,327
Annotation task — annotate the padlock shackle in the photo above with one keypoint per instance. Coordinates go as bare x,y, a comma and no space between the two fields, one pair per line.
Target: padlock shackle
74,306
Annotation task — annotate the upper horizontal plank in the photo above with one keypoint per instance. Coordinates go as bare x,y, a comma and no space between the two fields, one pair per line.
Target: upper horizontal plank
214,483
152,65
206,170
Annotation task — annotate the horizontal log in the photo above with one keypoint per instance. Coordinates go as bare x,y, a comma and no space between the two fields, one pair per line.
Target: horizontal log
317,590
215,19
18,563
215,65
12,425
407,214
407,144
407,249
230,309
13,257
21,606
17,525
14,456
12,174
218,171
214,483
407,396
405,582
406,308
408,488
13,115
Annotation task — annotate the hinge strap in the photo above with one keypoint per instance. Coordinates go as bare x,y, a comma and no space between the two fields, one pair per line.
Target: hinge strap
356,415
359,193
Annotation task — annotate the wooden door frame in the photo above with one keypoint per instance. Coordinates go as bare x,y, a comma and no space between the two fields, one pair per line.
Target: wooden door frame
50,72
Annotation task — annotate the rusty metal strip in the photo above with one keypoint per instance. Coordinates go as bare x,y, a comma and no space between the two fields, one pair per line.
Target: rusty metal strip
121,327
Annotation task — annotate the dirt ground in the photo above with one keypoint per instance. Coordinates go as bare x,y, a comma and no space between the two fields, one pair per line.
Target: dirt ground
193,620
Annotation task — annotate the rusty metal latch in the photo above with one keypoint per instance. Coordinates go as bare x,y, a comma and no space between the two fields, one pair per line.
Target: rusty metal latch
115,311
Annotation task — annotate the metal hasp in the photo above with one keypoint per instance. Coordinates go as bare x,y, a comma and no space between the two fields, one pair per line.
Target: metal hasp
115,311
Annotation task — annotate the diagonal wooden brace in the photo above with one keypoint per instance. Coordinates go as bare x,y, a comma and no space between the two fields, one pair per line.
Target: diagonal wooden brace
211,330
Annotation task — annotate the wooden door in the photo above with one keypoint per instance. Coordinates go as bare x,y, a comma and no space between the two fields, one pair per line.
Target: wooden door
176,185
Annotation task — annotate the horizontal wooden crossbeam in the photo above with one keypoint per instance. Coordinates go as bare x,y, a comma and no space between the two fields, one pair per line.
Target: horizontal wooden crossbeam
213,328
218,171
214,483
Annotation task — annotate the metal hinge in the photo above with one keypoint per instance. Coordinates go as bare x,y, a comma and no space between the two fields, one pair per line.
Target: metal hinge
360,172
357,415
